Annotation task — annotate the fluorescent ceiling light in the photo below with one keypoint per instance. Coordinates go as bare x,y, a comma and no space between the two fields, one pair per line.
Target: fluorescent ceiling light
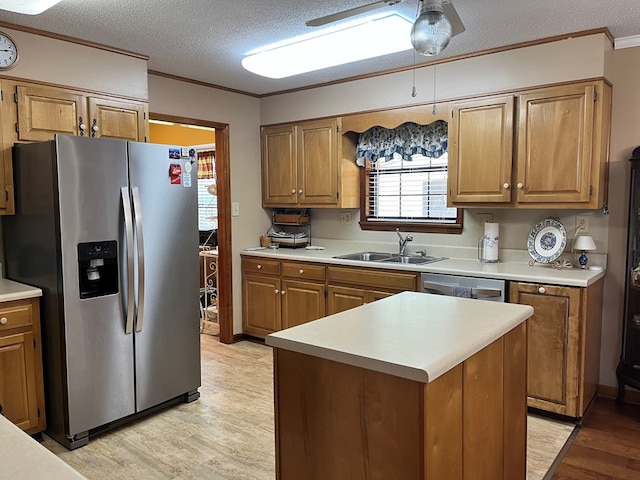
378,37
30,7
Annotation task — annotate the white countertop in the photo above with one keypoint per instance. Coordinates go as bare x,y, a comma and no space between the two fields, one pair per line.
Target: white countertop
410,335
10,290
22,457
514,271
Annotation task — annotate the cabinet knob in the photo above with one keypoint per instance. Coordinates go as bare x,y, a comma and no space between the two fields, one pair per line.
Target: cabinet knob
520,185
277,291
3,320
259,267
300,191
506,185
542,290
293,191
301,271
282,292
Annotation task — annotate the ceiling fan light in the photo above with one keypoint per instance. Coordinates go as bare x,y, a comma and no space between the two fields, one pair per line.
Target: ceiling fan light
431,31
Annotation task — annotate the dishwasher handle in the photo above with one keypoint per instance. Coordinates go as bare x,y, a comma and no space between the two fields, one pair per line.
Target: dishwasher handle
449,290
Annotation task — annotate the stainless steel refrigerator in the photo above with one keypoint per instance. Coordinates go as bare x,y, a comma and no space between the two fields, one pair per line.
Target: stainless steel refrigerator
108,230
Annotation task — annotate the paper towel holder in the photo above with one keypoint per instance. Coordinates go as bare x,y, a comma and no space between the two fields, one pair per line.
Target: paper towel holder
488,245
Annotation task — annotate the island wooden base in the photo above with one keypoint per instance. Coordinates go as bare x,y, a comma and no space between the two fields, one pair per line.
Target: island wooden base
336,421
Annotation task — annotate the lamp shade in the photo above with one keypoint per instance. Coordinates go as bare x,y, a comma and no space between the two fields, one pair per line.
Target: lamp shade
432,30
584,243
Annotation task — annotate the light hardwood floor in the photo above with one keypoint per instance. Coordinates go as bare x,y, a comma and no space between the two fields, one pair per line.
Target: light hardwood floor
228,433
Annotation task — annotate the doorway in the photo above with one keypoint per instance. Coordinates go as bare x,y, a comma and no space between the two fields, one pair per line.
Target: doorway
223,183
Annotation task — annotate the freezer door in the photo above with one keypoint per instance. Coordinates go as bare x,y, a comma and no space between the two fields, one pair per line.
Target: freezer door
99,355
167,337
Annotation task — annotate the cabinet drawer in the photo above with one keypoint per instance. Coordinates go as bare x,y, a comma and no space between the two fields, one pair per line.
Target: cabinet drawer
303,270
391,279
15,314
261,265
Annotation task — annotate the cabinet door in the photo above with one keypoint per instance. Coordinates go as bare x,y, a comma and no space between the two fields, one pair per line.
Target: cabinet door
279,166
301,302
481,151
555,140
18,379
553,339
317,146
117,119
340,299
43,112
261,305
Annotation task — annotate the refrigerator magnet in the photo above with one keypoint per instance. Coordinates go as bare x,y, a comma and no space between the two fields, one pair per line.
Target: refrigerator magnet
186,180
175,172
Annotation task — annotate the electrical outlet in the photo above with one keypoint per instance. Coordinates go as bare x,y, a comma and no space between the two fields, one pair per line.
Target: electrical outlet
582,221
484,218
345,218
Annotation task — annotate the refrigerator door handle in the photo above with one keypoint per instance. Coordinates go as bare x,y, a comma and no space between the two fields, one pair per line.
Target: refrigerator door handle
128,228
137,209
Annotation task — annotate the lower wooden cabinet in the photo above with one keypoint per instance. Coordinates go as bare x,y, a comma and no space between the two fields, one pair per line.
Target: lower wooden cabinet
349,287
563,345
277,295
21,380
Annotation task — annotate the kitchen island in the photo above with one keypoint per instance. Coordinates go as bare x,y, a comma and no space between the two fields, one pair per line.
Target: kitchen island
414,386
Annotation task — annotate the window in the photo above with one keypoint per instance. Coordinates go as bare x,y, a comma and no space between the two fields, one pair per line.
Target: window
207,205
405,179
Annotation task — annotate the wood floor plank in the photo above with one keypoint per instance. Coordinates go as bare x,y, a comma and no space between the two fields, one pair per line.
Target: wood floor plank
606,446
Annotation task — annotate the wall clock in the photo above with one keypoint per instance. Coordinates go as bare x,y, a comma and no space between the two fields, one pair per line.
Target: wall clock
8,52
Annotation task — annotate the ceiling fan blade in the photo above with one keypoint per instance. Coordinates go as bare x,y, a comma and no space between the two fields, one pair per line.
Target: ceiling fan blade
334,17
456,23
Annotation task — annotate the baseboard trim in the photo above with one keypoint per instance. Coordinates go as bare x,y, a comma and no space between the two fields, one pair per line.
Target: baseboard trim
631,395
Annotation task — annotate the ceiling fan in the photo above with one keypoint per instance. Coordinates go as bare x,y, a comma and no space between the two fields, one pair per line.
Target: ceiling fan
439,15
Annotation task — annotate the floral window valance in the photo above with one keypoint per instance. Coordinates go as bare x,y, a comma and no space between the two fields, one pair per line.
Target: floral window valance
406,140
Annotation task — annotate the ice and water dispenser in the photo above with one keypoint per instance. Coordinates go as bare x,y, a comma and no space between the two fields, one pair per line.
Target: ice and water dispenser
98,268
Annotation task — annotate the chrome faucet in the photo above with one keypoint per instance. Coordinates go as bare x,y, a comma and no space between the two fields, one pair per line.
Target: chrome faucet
402,244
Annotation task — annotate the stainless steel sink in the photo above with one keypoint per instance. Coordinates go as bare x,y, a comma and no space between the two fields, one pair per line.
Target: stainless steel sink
390,258
412,259
366,256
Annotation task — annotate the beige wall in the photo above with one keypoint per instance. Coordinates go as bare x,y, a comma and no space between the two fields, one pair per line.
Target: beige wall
572,59
242,113
63,63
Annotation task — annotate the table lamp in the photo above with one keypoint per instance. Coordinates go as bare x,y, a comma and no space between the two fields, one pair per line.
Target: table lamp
584,244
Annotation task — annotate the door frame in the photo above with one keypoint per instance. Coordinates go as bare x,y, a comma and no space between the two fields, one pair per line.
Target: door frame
223,182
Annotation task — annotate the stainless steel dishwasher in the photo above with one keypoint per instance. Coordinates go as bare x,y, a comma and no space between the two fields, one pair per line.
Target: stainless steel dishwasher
465,287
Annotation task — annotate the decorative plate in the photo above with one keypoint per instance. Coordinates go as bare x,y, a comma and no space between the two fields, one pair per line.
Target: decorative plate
547,240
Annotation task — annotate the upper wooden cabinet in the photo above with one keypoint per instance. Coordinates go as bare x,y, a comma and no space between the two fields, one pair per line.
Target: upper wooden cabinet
481,150
44,111
303,165
544,148
32,112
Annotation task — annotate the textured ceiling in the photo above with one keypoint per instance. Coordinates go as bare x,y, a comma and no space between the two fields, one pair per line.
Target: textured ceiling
205,40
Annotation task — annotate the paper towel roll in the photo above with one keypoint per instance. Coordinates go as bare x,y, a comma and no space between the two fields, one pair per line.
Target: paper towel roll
491,236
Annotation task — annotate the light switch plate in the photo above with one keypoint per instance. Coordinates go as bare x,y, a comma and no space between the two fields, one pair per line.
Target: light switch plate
235,209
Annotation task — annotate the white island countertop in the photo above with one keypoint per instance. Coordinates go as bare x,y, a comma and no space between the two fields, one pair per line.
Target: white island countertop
22,457
10,290
411,335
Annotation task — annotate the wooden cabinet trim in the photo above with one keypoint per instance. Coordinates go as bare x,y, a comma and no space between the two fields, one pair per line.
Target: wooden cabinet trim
391,279
301,270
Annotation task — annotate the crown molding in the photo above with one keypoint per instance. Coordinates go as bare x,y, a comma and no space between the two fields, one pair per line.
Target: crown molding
627,42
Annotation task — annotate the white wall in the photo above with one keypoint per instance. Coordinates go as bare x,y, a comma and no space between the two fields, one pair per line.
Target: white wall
242,113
